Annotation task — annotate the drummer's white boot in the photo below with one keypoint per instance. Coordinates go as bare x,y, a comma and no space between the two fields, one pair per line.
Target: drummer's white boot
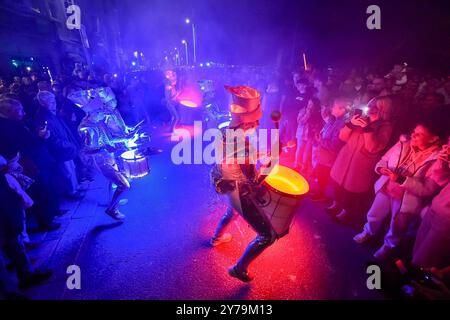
226,237
115,214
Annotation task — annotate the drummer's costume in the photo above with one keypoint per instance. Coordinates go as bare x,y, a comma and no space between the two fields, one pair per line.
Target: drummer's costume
100,143
114,121
239,182
171,94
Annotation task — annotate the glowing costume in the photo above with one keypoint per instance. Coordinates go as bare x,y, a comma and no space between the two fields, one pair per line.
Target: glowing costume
100,143
171,94
239,182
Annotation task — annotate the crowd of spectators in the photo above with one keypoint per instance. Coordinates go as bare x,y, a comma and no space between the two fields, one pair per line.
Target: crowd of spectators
374,145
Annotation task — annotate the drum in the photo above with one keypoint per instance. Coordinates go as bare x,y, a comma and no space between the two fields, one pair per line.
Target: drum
285,189
224,124
135,164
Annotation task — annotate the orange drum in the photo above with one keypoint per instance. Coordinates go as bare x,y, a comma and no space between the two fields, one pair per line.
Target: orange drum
285,191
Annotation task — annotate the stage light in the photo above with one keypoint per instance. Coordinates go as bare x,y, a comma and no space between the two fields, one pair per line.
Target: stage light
32,59
115,75
28,69
208,64
201,64
136,54
133,63
188,21
183,41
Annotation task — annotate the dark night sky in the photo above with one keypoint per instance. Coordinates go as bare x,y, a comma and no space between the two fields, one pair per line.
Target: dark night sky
330,32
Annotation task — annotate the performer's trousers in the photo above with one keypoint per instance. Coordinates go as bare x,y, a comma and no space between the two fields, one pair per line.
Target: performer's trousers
174,114
111,172
244,205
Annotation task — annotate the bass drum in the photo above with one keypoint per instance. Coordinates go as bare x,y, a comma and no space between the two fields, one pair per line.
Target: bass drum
284,191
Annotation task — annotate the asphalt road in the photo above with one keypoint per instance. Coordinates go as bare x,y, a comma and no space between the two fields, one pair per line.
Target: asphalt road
161,251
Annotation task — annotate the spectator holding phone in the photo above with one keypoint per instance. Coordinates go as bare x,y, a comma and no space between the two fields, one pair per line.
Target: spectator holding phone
365,139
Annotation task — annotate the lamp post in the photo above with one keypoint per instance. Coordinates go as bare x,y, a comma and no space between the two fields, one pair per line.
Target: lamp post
194,40
177,56
186,50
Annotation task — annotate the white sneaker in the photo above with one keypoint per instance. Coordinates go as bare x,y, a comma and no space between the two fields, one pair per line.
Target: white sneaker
226,237
362,237
115,214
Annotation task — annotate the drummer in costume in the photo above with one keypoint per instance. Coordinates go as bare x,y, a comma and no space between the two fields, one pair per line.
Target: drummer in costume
113,119
171,93
101,144
240,182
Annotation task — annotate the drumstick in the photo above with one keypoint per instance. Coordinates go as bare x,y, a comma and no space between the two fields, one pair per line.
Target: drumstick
138,124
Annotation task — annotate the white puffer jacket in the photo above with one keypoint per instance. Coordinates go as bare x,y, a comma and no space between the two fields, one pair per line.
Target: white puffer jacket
412,201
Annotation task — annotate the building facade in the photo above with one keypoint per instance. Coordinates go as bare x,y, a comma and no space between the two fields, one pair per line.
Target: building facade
34,35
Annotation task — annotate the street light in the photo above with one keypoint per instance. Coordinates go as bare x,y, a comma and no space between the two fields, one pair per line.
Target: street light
177,56
194,40
186,49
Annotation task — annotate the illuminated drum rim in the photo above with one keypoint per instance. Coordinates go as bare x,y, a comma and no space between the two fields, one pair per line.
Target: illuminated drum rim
131,155
224,124
287,181
188,103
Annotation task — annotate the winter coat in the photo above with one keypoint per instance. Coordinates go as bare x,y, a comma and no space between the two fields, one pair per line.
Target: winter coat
353,168
413,199
329,143
62,144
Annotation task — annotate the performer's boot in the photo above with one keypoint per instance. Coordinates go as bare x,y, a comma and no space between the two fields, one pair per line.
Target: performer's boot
112,210
254,249
219,235
216,241
244,276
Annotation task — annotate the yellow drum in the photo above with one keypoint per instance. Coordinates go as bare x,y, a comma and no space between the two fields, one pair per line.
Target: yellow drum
285,190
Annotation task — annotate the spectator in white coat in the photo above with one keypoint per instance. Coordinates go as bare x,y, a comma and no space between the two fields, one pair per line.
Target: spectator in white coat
408,159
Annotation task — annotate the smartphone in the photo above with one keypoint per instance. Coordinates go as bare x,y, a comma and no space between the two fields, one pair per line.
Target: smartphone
44,126
358,112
